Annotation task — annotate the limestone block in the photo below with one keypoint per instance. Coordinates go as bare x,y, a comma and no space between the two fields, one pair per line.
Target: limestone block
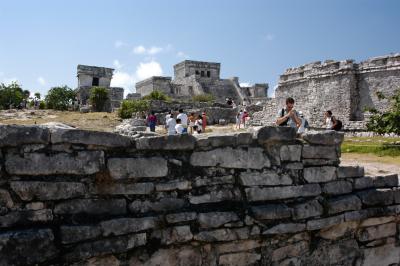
181,217
276,193
309,209
383,255
34,206
123,168
16,135
238,246
103,260
29,190
162,205
337,231
106,246
86,137
377,221
376,181
350,171
239,259
329,137
5,199
337,187
320,162
222,235
244,138
174,235
216,219
91,206
24,217
251,158
319,174
81,163
123,226
291,153
221,140
396,194
294,250
376,232
212,181
186,255
122,189
274,134
271,212
288,228
77,233
174,185
319,152
176,142
215,196
28,247
344,203
325,222
265,178
293,166
376,197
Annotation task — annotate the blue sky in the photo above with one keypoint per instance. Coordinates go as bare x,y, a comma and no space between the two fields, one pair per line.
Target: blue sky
42,42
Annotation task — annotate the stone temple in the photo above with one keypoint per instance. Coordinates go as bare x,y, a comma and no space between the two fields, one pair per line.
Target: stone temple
91,76
197,77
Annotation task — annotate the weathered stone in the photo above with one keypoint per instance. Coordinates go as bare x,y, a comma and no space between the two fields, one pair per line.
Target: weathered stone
251,158
319,152
324,223
167,204
26,217
123,226
34,206
309,209
291,153
186,255
376,197
122,168
293,166
139,206
363,214
337,231
174,185
97,261
5,199
344,203
106,246
176,142
122,189
294,250
276,193
83,163
376,232
320,162
212,181
266,178
384,255
222,140
271,212
377,221
238,259
376,181
92,206
77,233
238,246
396,194
337,187
216,196
181,217
15,135
29,190
86,137
244,138
174,235
222,235
216,219
28,247
319,174
350,171
330,137
274,134
285,229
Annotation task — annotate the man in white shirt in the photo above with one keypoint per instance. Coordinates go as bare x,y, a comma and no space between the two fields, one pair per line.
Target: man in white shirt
170,125
178,127
184,120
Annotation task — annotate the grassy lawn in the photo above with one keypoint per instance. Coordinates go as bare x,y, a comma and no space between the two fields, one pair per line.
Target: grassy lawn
379,146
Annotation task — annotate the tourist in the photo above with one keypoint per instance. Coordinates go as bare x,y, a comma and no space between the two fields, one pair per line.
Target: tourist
192,121
199,124
179,127
152,121
288,116
184,120
204,122
303,125
170,125
245,116
330,122
238,120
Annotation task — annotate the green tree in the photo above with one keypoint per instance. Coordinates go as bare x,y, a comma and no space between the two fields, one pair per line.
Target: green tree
37,95
206,97
128,107
59,98
157,95
98,98
11,95
386,122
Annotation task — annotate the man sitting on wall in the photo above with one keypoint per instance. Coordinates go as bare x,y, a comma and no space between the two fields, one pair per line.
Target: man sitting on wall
288,116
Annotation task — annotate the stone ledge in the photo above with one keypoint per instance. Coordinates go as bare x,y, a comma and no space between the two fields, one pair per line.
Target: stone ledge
329,137
177,142
15,135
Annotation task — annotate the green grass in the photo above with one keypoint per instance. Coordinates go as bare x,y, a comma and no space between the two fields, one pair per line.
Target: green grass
373,145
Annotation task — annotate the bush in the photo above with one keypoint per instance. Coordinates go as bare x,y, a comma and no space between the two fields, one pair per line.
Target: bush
98,98
42,105
128,107
207,97
59,98
10,95
157,95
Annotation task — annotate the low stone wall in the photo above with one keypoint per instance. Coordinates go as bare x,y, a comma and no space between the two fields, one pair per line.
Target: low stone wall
261,198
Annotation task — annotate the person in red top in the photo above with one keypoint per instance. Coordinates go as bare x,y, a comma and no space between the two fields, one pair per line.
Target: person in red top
152,121
204,122
244,117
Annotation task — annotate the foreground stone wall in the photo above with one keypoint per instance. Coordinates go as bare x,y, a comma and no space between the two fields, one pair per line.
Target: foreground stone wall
261,198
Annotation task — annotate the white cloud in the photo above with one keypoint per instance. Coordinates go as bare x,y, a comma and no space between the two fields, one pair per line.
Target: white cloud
124,80
41,81
269,37
139,49
117,64
245,84
153,50
182,55
146,70
119,44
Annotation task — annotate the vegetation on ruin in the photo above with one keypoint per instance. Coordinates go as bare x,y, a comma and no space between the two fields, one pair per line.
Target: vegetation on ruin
98,98
379,146
12,95
59,98
386,122
206,97
157,95
128,107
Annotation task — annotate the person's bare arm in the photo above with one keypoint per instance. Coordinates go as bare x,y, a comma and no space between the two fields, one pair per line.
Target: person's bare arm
296,119
282,119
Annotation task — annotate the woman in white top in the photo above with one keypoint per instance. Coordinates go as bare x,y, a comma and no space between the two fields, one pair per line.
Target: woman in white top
328,122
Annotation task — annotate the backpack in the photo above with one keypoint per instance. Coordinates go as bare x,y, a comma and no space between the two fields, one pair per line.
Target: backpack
282,115
338,125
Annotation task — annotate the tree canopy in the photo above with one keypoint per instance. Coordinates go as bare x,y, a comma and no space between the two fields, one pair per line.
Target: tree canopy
59,98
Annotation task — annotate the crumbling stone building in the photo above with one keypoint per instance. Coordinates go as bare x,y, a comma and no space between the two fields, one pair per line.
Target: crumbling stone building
196,77
91,76
345,87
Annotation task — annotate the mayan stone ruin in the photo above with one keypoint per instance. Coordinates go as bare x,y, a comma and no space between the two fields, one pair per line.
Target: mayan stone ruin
75,197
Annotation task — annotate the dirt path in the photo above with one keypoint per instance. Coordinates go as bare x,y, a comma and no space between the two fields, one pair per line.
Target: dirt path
373,165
